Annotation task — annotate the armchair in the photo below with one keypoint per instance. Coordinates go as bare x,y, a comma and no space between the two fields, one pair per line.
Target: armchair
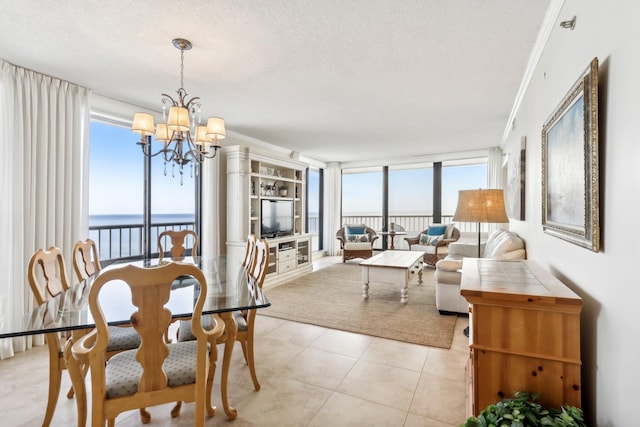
356,241
434,247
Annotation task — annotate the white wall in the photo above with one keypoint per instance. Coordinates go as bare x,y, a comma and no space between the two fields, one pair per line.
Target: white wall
607,281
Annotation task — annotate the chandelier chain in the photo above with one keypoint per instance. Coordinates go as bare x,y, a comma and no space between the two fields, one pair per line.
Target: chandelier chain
182,67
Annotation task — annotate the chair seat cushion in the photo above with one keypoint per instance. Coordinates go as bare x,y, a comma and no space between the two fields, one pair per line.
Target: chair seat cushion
123,371
123,338
184,330
428,249
351,246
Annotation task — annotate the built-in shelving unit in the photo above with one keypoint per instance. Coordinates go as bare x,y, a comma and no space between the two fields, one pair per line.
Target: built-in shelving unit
254,176
273,181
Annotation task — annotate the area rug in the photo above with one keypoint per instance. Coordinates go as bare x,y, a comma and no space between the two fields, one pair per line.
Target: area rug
332,297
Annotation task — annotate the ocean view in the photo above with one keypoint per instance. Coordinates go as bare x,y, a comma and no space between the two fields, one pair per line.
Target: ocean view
126,239
126,219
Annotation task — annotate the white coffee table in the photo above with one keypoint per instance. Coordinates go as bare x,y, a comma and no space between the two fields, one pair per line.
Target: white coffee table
394,267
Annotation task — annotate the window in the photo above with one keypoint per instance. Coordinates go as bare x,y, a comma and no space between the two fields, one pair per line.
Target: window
116,191
410,200
314,207
362,198
455,177
117,175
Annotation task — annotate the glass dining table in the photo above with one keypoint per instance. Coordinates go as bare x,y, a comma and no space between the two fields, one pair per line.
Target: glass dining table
227,291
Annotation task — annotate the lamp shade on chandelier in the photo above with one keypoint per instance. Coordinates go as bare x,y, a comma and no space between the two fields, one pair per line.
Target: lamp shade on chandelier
185,140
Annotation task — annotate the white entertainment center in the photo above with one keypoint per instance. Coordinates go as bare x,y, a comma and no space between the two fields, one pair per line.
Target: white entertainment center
266,196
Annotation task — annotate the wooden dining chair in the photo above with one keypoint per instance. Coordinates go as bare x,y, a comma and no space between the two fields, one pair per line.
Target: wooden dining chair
86,263
249,251
156,372
47,278
245,319
177,249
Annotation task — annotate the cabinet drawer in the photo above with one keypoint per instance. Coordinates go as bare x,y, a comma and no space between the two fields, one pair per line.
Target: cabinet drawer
287,255
283,267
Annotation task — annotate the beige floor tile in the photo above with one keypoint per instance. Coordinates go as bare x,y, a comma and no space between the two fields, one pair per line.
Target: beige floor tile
440,398
319,368
296,333
446,363
381,383
283,402
343,410
396,353
342,342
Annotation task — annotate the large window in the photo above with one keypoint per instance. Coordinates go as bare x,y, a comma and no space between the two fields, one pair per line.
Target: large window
117,196
314,207
412,200
362,198
410,197
457,177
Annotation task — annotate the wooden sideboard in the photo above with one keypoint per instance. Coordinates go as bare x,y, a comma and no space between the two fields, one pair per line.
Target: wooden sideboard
524,334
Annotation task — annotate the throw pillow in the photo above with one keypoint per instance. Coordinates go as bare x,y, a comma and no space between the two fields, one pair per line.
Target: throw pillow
436,230
355,229
426,240
357,238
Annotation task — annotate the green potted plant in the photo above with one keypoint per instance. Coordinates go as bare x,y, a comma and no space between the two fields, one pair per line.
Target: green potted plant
282,188
523,411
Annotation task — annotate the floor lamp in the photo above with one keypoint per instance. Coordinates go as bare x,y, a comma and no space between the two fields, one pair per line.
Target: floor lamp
480,206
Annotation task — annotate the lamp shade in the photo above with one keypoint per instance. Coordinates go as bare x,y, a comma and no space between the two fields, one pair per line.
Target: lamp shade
481,206
215,129
142,124
201,136
178,119
162,133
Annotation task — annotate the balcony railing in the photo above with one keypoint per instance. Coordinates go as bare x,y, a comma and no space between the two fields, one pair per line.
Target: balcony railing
124,241
412,224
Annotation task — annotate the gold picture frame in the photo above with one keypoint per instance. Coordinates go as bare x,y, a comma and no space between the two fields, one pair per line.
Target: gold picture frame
570,169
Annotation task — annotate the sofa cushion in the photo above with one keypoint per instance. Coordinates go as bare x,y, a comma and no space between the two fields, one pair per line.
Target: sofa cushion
436,230
501,242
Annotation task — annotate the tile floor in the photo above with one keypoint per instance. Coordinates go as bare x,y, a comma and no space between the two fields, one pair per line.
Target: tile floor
310,376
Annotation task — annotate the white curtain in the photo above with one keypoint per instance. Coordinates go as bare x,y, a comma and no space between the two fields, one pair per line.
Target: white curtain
44,125
494,178
332,201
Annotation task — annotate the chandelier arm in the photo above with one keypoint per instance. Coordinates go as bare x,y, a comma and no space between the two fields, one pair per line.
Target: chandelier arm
166,98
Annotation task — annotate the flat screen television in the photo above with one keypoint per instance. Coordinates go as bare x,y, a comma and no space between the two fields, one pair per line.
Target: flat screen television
277,218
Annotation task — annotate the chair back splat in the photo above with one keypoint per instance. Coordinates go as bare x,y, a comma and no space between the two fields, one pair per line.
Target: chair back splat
177,250
154,373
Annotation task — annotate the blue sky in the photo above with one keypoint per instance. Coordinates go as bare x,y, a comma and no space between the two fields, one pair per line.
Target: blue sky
410,190
116,177
116,182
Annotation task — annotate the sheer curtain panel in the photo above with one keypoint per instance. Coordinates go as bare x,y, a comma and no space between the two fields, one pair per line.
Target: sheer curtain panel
44,124
494,179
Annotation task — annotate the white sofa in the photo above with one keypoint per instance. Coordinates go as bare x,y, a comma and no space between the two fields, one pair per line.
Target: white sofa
502,244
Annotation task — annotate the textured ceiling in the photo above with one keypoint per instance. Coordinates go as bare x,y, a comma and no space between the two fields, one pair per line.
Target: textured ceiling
335,80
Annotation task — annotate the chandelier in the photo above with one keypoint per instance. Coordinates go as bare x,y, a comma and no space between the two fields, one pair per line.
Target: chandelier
185,140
